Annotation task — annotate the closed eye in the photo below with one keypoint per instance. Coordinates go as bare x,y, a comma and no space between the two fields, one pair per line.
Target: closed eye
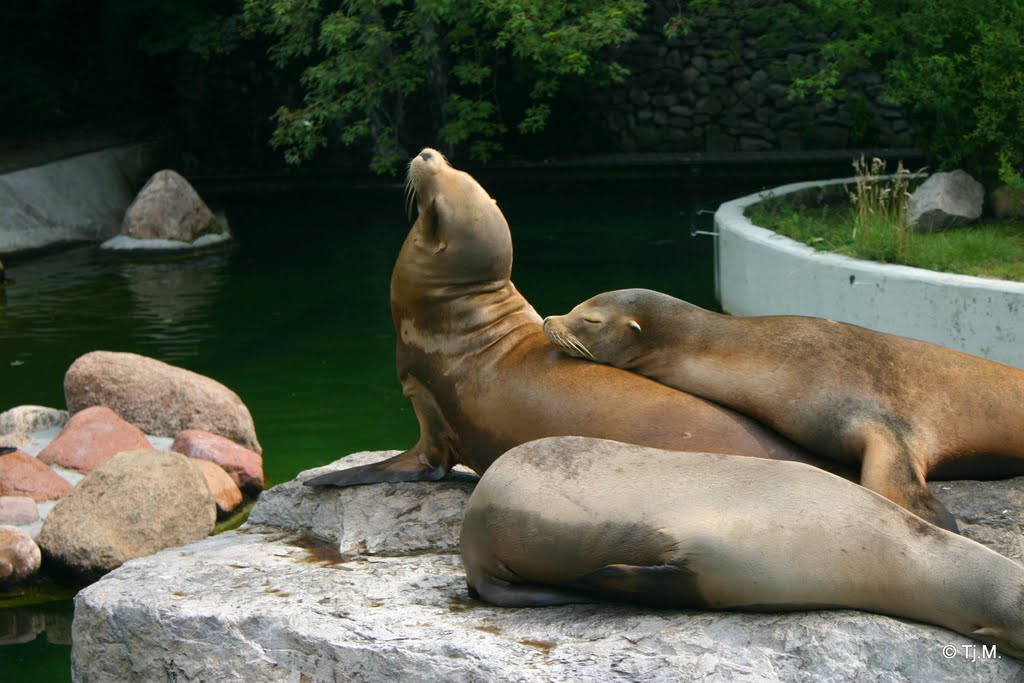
592,321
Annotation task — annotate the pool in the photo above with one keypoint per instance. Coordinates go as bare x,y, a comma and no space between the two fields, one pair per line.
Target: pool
295,318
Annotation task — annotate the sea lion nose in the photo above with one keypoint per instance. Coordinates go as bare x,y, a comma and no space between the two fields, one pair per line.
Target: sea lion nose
427,156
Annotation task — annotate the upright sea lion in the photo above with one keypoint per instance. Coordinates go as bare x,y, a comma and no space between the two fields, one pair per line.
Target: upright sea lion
482,378
902,408
571,519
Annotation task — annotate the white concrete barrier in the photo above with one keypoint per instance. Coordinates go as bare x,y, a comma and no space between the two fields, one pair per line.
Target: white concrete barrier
759,272
78,199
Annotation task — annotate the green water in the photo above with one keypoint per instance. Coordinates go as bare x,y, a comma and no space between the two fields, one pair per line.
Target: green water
295,319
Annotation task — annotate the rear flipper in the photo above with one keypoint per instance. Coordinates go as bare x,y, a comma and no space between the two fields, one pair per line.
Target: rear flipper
407,466
659,585
505,594
889,471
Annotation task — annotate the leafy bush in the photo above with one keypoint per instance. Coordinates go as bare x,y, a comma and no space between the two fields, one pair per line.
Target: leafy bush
956,67
374,69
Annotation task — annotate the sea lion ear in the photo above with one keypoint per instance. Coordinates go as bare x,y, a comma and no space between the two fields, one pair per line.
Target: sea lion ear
634,325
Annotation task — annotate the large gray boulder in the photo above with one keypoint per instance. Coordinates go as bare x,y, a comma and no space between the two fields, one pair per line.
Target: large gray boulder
134,504
366,584
945,200
158,398
168,207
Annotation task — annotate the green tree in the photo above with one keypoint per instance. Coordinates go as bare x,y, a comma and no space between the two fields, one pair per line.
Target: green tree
956,67
466,70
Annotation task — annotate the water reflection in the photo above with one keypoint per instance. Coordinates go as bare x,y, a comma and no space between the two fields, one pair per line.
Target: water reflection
155,305
171,301
22,625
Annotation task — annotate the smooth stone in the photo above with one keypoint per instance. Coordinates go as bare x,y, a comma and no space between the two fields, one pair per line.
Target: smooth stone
168,208
91,437
223,489
23,475
133,505
19,555
18,510
158,398
243,465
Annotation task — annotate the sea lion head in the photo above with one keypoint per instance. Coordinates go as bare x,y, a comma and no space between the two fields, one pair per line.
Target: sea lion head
608,328
461,233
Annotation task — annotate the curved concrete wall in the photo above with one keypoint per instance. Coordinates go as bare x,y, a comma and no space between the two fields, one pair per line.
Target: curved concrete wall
759,272
81,198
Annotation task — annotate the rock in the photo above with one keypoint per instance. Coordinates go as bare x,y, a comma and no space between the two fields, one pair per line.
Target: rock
244,466
167,207
158,398
1007,203
23,420
266,602
360,519
90,438
133,505
19,555
23,475
945,200
15,510
225,492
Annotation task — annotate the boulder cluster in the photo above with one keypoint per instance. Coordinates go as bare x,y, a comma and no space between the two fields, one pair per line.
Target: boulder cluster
146,457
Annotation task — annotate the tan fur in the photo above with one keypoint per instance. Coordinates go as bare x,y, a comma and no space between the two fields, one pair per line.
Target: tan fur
901,408
482,378
571,519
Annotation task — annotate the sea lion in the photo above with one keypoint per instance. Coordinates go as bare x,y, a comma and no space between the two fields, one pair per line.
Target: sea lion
902,408
571,519
482,378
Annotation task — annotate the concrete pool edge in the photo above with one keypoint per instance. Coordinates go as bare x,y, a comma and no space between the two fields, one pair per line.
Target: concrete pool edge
759,272
76,199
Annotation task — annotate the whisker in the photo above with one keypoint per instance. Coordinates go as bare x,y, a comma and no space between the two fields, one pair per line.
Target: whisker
410,193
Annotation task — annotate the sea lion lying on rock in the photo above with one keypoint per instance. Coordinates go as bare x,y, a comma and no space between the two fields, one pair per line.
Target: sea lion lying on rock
572,519
901,409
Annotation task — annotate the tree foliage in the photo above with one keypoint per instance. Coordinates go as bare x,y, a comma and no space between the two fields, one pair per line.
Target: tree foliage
956,67
373,70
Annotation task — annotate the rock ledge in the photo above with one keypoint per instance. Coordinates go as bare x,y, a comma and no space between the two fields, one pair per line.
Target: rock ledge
385,600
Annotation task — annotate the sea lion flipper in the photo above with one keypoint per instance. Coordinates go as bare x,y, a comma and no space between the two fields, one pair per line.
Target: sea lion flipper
888,469
662,585
507,594
406,466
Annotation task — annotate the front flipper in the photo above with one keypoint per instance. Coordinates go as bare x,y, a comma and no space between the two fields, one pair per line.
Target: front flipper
659,585
429,460
404,467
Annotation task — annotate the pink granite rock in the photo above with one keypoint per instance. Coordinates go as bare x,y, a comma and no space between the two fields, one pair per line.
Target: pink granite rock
243,465
156,397
90,438
225,491
17,510
19,555
23,475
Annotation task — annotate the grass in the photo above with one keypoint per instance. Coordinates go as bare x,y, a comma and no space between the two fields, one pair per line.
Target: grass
829,221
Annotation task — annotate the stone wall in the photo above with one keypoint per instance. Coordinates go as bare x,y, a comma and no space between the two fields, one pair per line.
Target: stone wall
723,87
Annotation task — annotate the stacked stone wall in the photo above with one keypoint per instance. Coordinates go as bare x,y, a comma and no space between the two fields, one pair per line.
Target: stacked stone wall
724,87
